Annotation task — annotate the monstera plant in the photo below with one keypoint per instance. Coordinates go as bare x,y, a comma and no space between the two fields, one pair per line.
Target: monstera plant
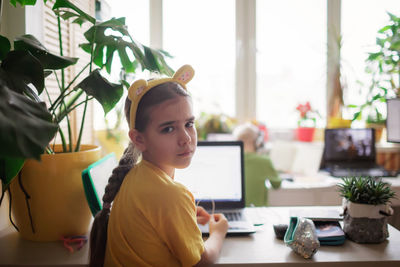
28,124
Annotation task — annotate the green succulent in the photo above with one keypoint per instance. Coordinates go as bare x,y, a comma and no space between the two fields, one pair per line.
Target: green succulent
366,190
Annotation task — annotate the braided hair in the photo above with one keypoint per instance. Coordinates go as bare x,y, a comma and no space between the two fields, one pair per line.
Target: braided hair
98,234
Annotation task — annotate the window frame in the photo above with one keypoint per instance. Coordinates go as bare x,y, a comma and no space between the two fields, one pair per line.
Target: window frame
245,81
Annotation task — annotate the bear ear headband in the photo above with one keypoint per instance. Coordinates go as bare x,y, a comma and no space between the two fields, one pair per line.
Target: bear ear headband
141,87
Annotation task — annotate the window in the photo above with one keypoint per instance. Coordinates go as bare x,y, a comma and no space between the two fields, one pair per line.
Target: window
287,42
202,34
359,34
291,59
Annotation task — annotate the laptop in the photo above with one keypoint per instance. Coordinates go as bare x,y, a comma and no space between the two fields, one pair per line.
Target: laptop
351,152
216,174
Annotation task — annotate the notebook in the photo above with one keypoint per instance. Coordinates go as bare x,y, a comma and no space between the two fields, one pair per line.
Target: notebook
216,173
351,152
95,179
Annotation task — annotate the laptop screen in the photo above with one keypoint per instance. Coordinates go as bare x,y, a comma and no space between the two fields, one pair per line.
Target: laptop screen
216,173
349,145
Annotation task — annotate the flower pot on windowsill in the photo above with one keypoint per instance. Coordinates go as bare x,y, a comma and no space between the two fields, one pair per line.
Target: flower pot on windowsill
48,199
305,134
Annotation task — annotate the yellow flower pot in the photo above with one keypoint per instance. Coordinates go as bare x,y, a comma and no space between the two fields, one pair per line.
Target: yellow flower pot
338,122
56,200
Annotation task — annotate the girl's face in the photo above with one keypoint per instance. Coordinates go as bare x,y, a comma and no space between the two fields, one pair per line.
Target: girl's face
170,138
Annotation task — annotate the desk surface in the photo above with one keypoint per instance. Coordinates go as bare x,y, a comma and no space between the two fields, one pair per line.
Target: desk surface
261,248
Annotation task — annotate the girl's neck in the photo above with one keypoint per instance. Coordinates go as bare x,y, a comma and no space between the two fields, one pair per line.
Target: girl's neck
170,171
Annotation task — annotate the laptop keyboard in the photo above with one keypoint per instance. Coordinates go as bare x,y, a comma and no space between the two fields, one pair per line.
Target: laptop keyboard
233,216
372,172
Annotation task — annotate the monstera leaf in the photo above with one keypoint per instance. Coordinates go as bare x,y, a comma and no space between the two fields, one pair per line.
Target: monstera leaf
108,94
26,129
19,69
118,40
51,61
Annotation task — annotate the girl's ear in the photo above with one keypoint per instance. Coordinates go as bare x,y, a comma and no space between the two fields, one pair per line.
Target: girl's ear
137,139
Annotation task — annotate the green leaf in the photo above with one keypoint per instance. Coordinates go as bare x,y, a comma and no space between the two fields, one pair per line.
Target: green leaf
86,47
150,59
98,56
22,68
385,28
5,47
127,64
109,57
108,94
117,40
9,168
49,61
67,4
67,15
23,2
26,126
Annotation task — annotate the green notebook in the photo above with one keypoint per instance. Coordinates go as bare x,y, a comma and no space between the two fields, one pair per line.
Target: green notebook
95,178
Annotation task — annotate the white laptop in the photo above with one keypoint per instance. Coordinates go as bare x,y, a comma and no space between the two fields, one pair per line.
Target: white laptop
216,173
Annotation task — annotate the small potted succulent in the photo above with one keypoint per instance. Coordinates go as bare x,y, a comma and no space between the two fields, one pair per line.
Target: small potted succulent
366,204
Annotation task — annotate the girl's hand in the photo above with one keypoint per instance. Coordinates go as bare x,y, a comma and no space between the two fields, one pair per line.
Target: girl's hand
218,224
202,215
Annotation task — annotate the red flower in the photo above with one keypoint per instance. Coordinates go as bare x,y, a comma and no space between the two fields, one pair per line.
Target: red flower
304,109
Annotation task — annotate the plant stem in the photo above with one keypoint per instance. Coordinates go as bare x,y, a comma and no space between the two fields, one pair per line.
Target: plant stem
78,143
64,144
62,88
27,197
9,209
48,95
64,109
62,96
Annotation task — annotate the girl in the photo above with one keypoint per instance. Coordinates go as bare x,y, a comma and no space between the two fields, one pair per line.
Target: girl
153,220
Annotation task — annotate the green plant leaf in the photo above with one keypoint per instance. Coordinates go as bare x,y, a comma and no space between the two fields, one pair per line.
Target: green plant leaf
117,40
5,47
108,94
22,68
26,126
59,4
49,61
9,168
125,61
23,2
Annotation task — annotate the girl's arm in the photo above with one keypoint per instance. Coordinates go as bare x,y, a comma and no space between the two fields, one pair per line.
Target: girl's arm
218,228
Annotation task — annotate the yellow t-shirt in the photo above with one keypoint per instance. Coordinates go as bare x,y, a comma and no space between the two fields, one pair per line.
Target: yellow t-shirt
152,222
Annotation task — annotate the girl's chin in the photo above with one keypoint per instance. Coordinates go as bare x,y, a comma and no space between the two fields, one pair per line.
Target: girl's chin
183,164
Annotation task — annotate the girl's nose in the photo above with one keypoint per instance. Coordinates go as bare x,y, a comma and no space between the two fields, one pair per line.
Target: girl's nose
184,137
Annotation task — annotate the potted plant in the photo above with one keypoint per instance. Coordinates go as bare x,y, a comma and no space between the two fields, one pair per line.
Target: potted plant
29,125
384,68
306,123
366,208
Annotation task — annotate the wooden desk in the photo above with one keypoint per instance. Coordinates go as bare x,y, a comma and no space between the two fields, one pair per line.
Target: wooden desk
261,249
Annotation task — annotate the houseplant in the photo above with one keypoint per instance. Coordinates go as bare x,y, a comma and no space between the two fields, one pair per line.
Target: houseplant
29,124
384,69
306,123
366,208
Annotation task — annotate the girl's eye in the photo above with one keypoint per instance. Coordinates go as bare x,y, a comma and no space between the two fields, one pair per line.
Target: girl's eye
190,124
167,129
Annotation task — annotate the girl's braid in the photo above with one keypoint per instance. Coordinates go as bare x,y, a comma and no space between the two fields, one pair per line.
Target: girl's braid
98,234
126,163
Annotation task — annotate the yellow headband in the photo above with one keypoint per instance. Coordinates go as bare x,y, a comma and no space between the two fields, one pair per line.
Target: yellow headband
140,87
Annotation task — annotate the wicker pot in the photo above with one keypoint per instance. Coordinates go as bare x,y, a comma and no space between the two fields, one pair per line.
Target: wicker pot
365,223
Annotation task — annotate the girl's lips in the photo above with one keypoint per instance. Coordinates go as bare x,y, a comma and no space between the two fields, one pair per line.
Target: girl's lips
186,153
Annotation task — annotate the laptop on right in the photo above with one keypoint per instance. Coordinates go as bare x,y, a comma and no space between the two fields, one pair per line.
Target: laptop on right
351,152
